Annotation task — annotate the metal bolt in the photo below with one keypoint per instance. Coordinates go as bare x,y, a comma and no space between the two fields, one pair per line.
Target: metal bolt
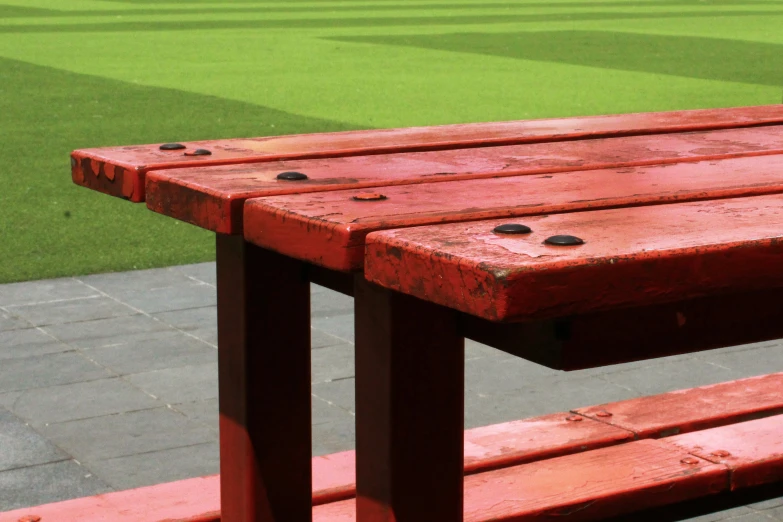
198,152
291,176
512,228
563,241
369,196
172,146
73,162
574,418
690,460
720,453
603,413
30,518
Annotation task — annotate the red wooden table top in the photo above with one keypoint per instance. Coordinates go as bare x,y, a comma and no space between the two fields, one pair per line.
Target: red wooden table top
121,171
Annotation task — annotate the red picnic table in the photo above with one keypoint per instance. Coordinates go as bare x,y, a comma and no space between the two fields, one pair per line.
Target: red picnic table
573,243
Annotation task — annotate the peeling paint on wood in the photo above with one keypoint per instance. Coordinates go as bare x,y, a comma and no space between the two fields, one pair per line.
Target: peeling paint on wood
329,228
136,161
211,197
631,257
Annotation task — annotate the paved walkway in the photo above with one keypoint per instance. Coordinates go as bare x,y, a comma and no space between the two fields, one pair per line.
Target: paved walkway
109,382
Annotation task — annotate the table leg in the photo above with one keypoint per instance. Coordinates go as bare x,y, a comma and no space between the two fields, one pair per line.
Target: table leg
264,384
409,408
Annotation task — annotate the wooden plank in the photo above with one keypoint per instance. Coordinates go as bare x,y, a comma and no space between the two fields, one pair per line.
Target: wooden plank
410,388
692,325
685,411
586,486
630,257
752,450
329,228
212,197
191,500
121,171
265,420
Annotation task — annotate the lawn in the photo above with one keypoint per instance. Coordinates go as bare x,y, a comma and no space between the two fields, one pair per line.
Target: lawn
87,73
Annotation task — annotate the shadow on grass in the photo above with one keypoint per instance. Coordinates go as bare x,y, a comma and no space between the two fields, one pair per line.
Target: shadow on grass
330,23
49,227
687,56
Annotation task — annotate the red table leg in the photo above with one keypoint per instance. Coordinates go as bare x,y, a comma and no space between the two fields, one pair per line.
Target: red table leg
409,408
264,374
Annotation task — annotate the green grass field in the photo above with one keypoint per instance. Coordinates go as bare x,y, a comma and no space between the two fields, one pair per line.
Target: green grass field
86,73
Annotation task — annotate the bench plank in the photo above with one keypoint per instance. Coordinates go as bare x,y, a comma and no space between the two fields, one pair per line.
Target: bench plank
584,486
212,197
121,171
753,451
694,409
630,257
329,228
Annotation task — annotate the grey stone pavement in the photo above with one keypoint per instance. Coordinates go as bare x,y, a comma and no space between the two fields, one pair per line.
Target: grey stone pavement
109,382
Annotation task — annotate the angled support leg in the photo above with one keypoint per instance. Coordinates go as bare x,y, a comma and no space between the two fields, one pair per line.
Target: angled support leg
409,408
264,381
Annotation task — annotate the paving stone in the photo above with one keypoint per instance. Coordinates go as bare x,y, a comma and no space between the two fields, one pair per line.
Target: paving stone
71,311
43,291
147,469
191,319
329,303
208,335
103,332
166,350
120,283
759,360
191,295
206,411
338,393
502,371
27,343
11,322
494,402
204,272
39,371
774,514
178,385
321,339
22,446
36,485
332,362
124,434
768,504
333,429
474,350
340,326
669,376
80,400
726,514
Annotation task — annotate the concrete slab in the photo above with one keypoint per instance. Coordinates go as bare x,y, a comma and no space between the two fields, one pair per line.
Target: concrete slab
82,400
125,435
22,446
35,485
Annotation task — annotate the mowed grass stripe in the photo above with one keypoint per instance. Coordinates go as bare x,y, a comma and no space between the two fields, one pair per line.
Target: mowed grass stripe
49,227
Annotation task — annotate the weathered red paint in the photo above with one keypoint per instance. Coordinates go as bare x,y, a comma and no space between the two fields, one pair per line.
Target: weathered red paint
212,198
631,257
120,171
329,228
685,411
753,450
587,486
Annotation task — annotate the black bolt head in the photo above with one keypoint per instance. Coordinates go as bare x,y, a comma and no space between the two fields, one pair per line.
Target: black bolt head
199,152
563,241
512,228
172,146
291,176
